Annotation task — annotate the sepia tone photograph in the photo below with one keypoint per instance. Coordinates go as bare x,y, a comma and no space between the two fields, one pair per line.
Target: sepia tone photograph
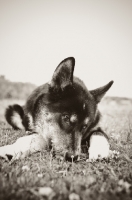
65,99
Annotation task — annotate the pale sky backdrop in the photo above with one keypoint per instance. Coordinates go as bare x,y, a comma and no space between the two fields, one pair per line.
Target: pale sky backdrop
36,35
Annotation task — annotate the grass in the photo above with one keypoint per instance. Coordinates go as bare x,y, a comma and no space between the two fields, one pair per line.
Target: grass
40,176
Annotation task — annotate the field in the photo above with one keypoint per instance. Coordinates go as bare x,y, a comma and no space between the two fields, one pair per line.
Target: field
41,176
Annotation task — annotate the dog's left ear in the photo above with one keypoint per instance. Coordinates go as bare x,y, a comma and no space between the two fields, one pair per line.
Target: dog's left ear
63,75
100,92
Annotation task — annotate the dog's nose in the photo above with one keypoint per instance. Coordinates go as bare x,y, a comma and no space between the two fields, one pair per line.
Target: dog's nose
70,157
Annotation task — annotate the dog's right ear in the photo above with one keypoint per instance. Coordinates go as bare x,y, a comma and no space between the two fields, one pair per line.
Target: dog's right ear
63,75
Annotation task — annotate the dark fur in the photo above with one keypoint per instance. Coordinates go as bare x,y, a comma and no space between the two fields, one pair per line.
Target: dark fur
66,105
10,111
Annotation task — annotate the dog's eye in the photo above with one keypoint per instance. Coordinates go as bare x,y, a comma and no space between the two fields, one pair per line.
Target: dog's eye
66,118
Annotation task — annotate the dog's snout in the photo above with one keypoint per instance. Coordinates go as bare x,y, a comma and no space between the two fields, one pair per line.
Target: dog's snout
70,157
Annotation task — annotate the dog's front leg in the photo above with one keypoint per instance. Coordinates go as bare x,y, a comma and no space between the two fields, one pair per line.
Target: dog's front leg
99,146
23,146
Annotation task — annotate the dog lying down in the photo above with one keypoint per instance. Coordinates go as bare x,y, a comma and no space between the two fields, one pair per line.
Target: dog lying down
61,115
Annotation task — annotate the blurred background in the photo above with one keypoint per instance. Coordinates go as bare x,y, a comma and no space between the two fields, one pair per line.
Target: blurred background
35,36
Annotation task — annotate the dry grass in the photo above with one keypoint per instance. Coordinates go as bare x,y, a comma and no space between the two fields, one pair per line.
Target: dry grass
108,179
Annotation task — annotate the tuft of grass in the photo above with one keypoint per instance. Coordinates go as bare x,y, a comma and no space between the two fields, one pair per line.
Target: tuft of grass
42,176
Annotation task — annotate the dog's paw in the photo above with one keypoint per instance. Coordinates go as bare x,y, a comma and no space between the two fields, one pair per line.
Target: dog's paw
6,152
15,151
23,147
99,147
12,152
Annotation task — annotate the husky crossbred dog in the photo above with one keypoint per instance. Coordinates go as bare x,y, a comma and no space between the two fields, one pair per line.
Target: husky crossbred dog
61,115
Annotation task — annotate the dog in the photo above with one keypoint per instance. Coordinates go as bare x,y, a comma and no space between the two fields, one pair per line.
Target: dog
61,115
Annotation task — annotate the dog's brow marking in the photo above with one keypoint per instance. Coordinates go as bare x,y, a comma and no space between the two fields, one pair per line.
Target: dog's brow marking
86,120
84,106
73,118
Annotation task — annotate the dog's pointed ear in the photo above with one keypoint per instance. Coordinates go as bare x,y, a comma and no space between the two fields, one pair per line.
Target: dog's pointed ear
100,92
63,75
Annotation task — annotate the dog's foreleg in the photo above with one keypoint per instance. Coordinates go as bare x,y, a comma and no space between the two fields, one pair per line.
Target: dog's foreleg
99,146
23,146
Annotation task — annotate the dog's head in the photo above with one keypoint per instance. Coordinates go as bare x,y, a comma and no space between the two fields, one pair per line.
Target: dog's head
71,108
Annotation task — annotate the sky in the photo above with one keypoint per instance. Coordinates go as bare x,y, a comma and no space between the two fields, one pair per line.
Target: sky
36,35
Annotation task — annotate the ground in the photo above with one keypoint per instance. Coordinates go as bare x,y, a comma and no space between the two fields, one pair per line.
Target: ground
41,176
